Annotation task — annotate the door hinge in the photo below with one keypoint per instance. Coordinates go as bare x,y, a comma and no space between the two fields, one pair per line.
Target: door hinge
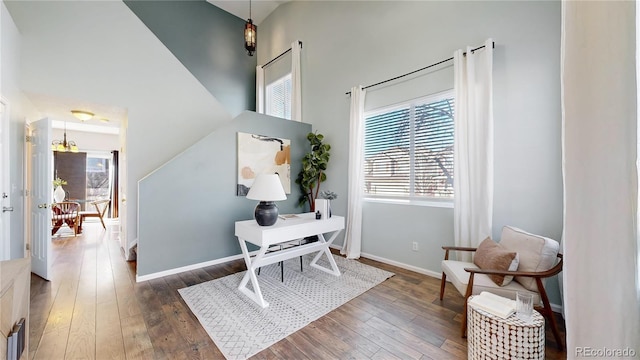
28,138
27,246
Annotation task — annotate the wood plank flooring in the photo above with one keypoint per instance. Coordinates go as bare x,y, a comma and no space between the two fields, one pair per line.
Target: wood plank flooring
93,309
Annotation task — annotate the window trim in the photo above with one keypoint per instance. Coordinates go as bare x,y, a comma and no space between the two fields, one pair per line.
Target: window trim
429,201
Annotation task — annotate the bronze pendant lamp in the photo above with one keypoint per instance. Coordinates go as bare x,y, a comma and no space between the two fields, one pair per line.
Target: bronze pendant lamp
250,34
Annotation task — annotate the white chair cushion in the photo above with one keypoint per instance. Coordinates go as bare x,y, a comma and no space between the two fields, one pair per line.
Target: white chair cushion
481,282
64,216
537,253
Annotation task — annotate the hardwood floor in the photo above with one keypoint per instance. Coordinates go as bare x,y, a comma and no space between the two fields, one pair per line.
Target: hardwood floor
93,309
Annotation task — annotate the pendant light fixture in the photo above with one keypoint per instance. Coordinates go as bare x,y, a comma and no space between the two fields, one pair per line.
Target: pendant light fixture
250,34
64,145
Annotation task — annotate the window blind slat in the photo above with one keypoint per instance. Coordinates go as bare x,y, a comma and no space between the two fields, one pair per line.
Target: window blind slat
389,144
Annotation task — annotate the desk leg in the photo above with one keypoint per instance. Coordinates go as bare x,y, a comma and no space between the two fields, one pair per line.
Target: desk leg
256,294
334,267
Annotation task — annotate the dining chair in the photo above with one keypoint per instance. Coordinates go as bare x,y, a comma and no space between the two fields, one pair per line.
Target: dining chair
65,212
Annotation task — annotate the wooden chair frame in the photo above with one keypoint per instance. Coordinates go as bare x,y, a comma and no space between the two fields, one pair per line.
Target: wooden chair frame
545,310
61,212
99,213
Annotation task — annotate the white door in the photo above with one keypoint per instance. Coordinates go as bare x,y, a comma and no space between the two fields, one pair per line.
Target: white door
41,196
5,200
122,191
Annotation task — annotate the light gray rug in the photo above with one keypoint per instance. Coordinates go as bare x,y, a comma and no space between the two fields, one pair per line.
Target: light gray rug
241,328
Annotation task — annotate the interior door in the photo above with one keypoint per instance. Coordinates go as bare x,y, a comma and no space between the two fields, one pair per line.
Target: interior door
5,216
122,183
41,195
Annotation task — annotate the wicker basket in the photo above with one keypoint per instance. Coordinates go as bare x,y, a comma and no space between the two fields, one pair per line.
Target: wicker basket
490,337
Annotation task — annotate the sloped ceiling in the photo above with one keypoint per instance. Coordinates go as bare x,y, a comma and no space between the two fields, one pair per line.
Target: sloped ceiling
260,9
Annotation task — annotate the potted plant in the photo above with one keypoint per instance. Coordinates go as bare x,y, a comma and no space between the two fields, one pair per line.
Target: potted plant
314,165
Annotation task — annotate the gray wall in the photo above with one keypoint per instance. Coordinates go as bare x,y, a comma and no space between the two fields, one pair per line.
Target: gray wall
209,42
351,43
188,206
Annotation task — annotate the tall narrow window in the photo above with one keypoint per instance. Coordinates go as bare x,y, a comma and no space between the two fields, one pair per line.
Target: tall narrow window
278,98
409,149
98,175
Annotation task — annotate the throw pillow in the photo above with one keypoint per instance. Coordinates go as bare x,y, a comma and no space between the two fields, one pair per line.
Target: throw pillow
491,256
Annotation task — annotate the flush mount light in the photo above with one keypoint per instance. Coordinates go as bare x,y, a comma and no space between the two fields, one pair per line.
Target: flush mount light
104,120
82,115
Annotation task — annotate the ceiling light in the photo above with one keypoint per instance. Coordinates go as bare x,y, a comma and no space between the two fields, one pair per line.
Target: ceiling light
104,120
250,34
64,145
82,115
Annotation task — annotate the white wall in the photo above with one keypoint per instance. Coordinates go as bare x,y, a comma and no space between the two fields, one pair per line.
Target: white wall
101,52
354,42
19,106
90,141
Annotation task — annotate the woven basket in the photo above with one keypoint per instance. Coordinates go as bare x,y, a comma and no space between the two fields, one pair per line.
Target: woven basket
490,337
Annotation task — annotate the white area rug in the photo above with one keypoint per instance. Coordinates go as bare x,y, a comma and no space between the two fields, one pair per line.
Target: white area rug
241,328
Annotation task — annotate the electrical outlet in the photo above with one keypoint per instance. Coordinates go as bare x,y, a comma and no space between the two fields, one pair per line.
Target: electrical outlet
415,246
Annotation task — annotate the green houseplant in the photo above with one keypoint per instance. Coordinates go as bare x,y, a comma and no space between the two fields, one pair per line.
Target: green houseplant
314,165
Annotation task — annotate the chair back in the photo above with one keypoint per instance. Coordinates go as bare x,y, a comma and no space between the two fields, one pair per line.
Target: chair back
65,208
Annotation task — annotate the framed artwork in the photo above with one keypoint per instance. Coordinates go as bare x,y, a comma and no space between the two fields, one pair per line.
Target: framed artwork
259,154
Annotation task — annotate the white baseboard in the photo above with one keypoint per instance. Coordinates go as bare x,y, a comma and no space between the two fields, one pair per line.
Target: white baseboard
555,307
140,278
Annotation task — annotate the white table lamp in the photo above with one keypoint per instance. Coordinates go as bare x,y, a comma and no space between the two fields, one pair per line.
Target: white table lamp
266,188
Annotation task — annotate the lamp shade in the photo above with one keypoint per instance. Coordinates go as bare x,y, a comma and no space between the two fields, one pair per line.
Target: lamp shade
267,187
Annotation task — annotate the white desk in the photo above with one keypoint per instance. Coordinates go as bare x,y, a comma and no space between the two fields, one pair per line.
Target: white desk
281,232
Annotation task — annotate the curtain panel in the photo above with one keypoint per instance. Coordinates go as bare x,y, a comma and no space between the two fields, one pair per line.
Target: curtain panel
473,146
601,274
353,233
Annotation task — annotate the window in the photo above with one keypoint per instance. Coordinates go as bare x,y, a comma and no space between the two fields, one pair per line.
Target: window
408,149
278,98
98,175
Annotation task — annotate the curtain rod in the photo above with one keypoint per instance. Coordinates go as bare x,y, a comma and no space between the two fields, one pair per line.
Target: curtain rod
415,71
281,55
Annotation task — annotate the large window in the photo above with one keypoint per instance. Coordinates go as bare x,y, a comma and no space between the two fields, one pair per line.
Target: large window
278,98
409,149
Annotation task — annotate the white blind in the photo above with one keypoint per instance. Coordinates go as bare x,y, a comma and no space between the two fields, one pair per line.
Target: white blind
278,98
409,149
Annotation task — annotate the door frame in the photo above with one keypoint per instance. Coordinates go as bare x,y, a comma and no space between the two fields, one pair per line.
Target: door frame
5,181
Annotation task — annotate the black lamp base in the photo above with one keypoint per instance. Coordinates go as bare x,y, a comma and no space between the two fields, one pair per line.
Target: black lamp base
266,213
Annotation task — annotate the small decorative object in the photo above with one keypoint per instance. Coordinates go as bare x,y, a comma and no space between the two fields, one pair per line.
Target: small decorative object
329,195
58,192
322,205
318,216
266,188
524,306
314,165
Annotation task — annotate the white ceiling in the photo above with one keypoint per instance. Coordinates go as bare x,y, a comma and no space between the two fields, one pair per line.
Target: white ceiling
59,111
260,9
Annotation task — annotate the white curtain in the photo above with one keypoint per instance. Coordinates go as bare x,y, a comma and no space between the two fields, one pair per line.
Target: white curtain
260,89
601,275
473,146
296,88
353,234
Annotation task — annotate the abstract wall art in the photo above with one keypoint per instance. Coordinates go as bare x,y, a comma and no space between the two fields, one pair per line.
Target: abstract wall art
259,154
